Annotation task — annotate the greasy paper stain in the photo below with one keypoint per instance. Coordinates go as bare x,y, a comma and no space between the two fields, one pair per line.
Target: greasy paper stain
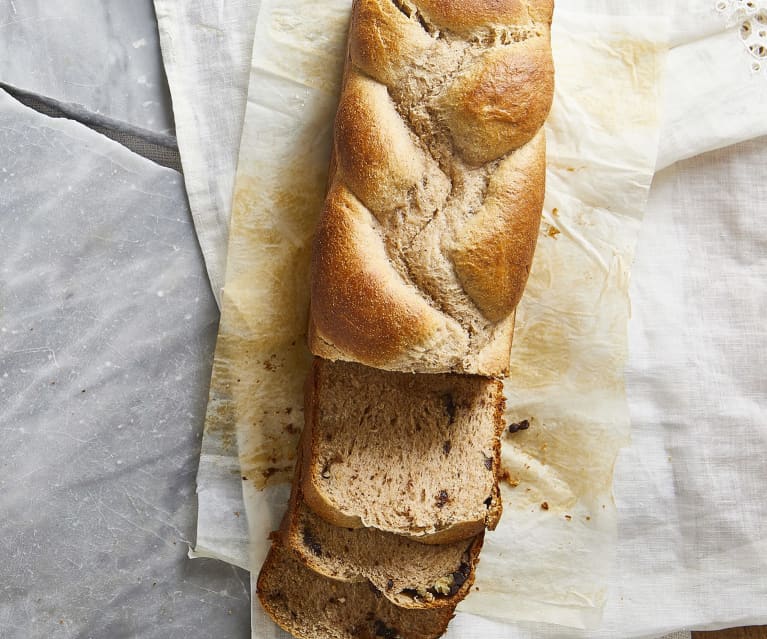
265,340
557,461
316,35
219,419
627,66
261,354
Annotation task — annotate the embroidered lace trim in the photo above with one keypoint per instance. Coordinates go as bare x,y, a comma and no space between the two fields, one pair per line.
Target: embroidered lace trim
750,16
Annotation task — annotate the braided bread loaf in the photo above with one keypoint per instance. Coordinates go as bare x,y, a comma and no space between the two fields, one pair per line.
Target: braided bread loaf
436,188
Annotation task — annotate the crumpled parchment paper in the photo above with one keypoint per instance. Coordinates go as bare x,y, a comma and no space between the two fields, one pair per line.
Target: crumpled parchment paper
549,559
551,556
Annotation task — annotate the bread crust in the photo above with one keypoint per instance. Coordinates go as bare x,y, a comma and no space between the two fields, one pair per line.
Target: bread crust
499,103
465,16
358,300
383,42
436,92
329,609
494,257
376,155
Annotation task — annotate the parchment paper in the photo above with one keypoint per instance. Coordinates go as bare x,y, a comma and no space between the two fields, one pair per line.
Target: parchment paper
570,345
551,556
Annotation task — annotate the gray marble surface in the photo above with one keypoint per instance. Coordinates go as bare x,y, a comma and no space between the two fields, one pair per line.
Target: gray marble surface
101,54
107,329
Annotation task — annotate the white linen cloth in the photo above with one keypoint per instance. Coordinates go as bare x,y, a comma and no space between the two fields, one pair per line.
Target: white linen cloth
691,490
680,556
206,48
716,89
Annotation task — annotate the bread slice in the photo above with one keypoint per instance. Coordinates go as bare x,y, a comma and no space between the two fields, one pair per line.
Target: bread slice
409,574
310,606
414,455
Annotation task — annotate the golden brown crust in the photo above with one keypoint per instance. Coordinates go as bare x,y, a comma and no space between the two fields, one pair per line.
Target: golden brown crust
476,71
493,259
359,303
501,102
430,84
541,10
495,510
495,359
457,532
383,42
376,156
464,16
310,606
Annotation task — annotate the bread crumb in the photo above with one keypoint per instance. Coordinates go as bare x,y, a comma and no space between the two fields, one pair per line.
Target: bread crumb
504,475
443,585
516,427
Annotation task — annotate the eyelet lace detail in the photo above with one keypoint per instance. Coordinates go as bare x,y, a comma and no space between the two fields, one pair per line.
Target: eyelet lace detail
751,18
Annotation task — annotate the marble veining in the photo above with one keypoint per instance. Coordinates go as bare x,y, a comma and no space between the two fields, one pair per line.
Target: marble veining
107,329
101,54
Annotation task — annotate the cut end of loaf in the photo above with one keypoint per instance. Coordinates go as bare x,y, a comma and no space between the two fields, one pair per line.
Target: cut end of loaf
414,455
